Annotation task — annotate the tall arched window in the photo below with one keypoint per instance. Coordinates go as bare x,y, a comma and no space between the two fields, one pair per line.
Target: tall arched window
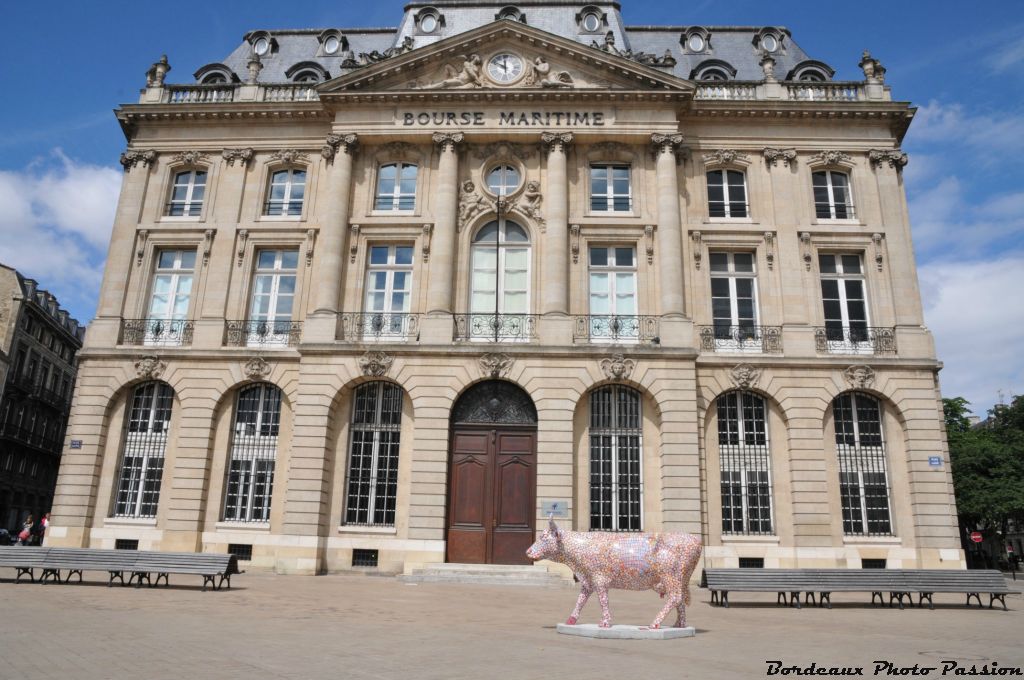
250,481
863,481
616,474
373,455
145,441
500,287
745,463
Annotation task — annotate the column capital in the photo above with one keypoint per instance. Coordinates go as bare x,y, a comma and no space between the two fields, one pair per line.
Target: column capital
773,156
243,156
894,157
666,143
132,157
556,141
335,143
449,139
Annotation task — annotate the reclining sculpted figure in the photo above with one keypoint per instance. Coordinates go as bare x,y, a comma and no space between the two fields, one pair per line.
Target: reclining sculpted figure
659,562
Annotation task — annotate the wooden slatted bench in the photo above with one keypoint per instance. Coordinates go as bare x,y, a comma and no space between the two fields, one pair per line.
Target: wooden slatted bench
139,565
898,583
25,559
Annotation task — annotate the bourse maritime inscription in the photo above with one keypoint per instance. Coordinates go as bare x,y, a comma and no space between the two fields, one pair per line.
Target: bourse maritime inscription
504,119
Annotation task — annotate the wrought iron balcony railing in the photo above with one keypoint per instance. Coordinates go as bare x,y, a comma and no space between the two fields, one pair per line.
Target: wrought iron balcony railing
855,340
495,327
742,338
156,332
379,326
616,328
261,333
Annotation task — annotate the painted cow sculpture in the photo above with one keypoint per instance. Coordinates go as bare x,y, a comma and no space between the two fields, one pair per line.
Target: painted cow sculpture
659,562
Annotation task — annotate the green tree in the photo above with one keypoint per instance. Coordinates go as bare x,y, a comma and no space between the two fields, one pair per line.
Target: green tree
988,465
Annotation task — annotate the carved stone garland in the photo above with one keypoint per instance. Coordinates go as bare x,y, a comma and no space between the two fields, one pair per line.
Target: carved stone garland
724,157
894,157
133,157
617,367
243,156
375,364
830,158
773,156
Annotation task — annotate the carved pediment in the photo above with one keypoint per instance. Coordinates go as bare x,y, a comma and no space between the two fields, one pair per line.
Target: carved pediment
541,61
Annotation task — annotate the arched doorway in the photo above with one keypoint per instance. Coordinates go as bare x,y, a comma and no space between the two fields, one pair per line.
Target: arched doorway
492,478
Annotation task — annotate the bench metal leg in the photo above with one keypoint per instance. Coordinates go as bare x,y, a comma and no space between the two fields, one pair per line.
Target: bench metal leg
725,599
72,572
877,594
117,575
992,597
50,575
899,599
809,598
210,580
714,597
795,599
164,576
223,578
923,597
827,597
138,576
975,596
782,598
23,571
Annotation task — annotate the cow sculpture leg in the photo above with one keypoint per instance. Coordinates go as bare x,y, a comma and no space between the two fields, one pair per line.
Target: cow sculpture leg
585,592
606,615
675,601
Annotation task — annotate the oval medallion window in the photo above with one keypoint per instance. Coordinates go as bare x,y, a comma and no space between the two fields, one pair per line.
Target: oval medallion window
503,180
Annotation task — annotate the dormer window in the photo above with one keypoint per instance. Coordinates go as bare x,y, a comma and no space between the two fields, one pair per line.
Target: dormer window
511,13
215,74
811,72
214,79
306,77
332,43
769,43
428,20
769,40
591,20
261,46
696,40
262,43
307,72
713,69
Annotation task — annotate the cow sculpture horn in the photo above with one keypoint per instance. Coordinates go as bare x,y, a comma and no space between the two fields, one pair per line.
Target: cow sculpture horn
551,523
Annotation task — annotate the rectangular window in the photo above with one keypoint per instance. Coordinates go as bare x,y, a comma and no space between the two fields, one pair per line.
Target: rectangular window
273,296
243,551
613,305
250,482
863,483
734,302
287,191
832,198
751,563
396,187
745,464
126,544
171,296
844,300
616,474
610,188
187,194
727,193
388,292
373,455
363,557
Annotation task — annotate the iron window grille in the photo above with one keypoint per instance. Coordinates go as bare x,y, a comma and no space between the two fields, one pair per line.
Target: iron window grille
863,480
610,189
145,441
126,544
187,194
250,482
832,197
243,551
364,557
372,484
616,448
873,563
727,193
745,463
751,563
396,187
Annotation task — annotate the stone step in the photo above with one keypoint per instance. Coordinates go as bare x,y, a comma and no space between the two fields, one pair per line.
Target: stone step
510,568
492,574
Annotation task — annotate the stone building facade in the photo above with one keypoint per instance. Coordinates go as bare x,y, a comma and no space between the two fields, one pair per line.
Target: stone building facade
390,296
39,345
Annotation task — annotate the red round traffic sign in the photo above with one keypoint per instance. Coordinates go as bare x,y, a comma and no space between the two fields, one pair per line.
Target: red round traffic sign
976,536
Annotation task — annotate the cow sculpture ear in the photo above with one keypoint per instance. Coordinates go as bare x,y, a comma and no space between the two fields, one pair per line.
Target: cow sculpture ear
552,526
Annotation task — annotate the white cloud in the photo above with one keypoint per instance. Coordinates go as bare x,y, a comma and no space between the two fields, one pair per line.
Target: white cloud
1008,55
994,135
976,313
55,220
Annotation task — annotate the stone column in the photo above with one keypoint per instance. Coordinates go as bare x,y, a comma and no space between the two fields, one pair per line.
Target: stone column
103,331
442,256
555,264
338,151
670,240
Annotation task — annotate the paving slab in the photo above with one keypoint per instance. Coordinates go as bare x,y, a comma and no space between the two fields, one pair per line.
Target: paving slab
353,627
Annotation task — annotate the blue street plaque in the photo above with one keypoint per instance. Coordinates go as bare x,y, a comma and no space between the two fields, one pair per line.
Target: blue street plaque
556,508
76,443
935,461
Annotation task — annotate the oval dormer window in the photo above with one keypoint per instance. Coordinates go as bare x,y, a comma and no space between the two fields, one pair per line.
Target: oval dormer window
428,24
261,46
331,45
769,43
591,22
695,43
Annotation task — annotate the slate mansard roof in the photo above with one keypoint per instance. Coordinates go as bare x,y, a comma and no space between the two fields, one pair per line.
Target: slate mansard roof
735,45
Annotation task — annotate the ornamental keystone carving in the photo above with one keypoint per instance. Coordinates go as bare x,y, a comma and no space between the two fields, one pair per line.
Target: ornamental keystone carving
504,150
256,369
289,156
133,157
335,143
559,141
149,367
860,376
894,157
190,157
830,157
471,203
243,156
724,157
745,376
447,140
495,364
617,367
877,239
773,156
375,364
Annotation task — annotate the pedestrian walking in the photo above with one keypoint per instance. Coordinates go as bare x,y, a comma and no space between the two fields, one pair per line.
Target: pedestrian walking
26,531
44,524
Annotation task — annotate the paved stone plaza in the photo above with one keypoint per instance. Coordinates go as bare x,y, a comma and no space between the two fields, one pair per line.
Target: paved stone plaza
352,626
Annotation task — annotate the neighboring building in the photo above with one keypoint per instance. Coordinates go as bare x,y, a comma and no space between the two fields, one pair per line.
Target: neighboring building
389,296
40,342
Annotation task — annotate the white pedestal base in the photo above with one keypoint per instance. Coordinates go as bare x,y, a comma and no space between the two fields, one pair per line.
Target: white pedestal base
592,630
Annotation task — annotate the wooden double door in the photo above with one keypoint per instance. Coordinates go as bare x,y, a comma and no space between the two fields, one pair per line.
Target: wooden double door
491,493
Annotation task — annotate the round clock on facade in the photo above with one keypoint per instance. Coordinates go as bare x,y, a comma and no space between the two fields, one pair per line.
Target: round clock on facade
505,67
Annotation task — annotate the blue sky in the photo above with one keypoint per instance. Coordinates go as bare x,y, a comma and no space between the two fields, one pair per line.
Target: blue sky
67,64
